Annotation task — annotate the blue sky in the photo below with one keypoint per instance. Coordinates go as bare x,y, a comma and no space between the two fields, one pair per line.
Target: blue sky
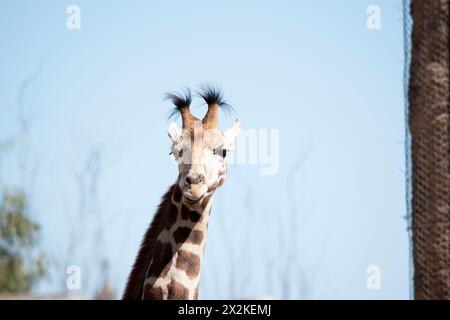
310,69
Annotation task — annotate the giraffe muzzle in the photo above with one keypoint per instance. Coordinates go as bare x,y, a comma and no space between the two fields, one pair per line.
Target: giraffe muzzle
192,201
194,189
194,178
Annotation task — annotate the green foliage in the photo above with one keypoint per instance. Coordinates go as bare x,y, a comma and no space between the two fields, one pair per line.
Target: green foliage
20,265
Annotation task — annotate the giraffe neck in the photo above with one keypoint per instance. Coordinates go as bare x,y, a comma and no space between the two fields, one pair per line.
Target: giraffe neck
174,270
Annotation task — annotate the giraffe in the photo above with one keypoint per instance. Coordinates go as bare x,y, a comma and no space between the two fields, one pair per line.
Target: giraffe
169,260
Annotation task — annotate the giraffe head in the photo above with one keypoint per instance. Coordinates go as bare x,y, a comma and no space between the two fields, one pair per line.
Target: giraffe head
199,148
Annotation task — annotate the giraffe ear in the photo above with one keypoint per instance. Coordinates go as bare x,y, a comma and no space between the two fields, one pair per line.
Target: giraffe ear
231,134
173,131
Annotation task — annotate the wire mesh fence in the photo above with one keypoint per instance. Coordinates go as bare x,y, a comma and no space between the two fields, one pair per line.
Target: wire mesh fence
428,145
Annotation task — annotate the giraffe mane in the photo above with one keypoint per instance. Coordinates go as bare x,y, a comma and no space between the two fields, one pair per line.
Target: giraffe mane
135,282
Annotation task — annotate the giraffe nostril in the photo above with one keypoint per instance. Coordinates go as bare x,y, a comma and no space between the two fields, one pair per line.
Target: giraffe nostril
194,179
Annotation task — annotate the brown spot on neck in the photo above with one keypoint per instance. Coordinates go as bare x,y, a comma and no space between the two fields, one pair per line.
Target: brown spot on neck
191,215
186,234
181,234
153,293
188,262
196,237
177,291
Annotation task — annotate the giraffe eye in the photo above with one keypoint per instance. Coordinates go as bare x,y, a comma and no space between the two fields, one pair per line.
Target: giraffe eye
220,151
180,153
